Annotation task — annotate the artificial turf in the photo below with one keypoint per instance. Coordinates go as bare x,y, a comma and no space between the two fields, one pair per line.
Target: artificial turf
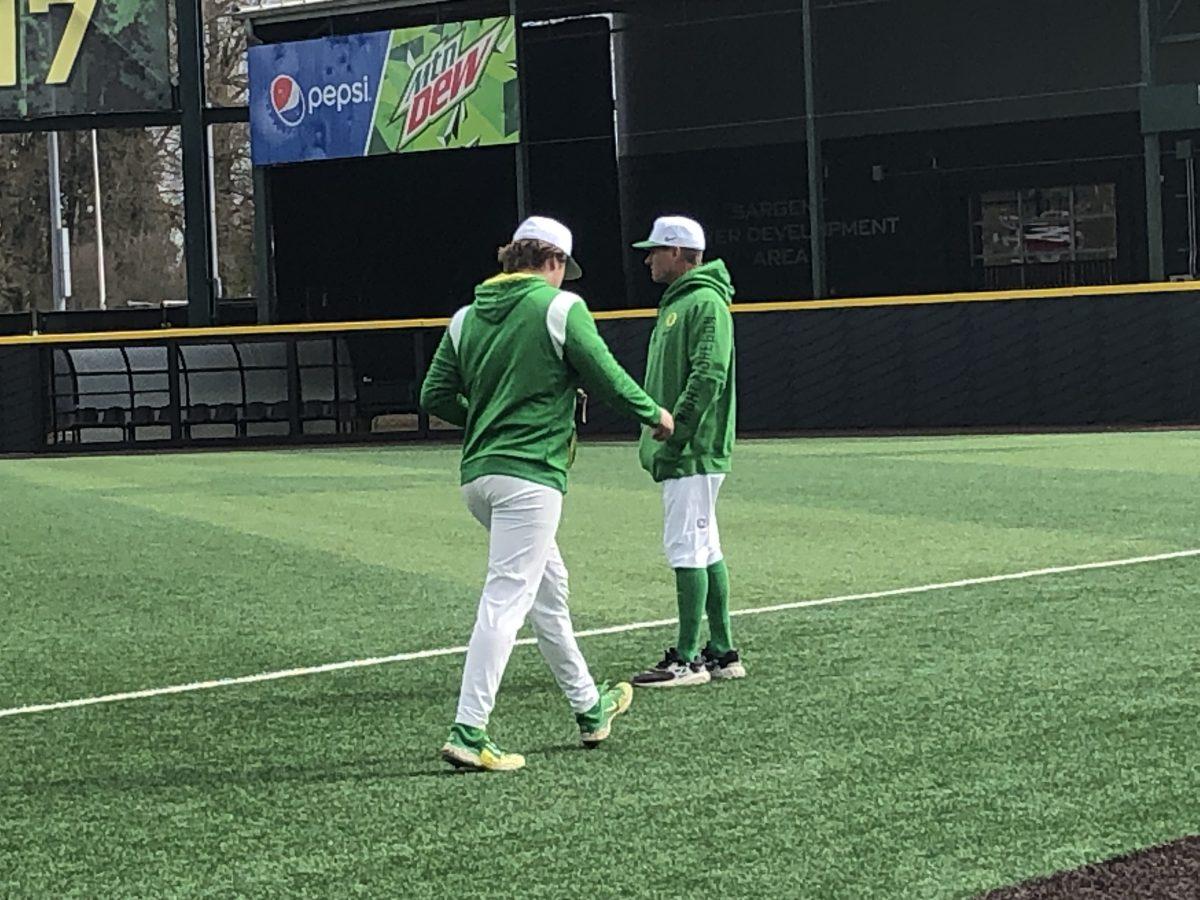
935,744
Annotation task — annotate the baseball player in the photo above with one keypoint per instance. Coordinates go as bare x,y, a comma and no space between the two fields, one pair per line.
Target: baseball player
690,371
506,371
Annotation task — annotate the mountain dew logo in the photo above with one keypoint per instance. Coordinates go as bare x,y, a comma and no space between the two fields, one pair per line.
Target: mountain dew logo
448,86
449,75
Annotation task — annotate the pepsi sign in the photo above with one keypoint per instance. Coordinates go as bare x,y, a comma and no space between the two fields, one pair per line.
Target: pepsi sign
314,99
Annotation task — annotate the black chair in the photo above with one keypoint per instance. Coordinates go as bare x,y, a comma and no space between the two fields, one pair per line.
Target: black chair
145,415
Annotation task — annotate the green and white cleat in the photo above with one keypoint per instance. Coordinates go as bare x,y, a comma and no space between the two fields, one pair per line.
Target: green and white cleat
596,724
471,748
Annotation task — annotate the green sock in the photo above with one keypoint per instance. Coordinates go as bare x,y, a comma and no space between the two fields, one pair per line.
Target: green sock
720,639
691,590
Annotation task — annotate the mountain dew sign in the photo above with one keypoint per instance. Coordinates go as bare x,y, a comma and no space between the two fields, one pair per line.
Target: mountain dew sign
447,86
434,87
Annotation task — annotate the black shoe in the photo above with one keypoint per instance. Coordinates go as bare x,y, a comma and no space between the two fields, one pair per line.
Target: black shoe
674,671
728,665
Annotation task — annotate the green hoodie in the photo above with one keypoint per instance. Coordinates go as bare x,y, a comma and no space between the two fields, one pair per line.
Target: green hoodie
690,372
506,371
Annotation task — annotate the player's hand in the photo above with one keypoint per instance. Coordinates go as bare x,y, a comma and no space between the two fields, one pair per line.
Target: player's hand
666,425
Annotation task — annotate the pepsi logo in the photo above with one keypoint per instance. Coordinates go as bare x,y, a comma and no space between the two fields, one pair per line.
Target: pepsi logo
287,100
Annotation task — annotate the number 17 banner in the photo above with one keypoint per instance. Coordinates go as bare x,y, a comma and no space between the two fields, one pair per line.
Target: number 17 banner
77,57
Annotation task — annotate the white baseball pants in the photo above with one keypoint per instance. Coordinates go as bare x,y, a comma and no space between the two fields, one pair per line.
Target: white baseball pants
526,577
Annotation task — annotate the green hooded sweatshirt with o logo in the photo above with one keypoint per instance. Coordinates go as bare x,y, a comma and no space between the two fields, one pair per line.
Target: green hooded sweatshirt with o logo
507,370
689,370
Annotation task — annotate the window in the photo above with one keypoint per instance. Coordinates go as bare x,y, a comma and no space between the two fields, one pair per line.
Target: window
1045,237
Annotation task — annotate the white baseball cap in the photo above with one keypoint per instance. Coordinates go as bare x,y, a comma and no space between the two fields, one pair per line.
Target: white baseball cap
553,232
674,231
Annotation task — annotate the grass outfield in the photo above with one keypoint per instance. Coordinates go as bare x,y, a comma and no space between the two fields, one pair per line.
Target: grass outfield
935,744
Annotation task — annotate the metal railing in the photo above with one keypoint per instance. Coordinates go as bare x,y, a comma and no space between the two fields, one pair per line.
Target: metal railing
165,391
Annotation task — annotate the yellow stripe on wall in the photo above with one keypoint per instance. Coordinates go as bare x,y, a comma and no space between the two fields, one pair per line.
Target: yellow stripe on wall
255,331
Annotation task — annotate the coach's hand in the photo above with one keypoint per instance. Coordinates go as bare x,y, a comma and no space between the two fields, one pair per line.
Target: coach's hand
666,425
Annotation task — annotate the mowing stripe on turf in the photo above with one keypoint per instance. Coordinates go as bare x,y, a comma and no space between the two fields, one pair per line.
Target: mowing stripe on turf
593,632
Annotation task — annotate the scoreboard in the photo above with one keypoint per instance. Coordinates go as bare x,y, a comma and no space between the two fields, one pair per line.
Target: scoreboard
78,57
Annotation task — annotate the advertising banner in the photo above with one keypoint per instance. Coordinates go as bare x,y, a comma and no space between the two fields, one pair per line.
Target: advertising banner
435,87
79,57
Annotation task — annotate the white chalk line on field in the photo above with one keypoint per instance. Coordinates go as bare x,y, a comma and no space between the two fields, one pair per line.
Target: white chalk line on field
593,632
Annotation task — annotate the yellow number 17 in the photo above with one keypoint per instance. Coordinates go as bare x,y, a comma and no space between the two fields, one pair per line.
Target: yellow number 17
68,47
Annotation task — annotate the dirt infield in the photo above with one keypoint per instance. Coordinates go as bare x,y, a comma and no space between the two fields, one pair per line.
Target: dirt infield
1168,872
